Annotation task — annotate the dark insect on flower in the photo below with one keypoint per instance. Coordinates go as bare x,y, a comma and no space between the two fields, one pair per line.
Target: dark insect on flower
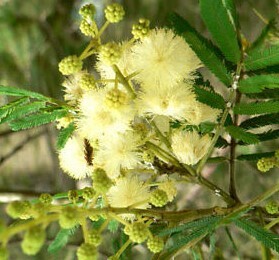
88,152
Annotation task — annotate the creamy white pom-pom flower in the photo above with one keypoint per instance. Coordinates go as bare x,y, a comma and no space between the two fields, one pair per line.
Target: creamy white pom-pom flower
176,102
117,152
190,147
162,58
129,191
72,89
72,159
98,120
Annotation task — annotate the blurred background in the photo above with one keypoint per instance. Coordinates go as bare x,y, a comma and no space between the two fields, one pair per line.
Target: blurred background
34,36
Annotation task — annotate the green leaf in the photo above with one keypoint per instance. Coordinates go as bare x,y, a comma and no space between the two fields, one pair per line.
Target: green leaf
262,37
267,238
262,58
113,226
200,223
20,111
232,242
64,135
258,83
11,91
37,119
240,134
10,107
254,156
219,17
204,49
260,121
209,98
255,108
60,240
265,94
266,136
182,239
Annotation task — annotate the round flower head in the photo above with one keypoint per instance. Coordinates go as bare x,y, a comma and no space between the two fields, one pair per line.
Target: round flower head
114,13
163,58
70,65
73,91
98,119
118,152
110,53
176,102
72,159
190,147
88,28
141,29
87,11
129,191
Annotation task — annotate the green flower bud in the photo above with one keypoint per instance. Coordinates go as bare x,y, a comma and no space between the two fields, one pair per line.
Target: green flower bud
87,252
4,253
94,238
265,164
101,182
114,13
87,81
155,244
141,29
110,53
73,196
33,240
68,217
116,98
88,193
39,210
137,232
159,198
87,11
45,198
70,65
19,209
88,28
272,207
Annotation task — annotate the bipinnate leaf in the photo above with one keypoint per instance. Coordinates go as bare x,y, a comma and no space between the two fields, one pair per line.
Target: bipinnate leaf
255,108
258,83
240,134
262,58
64,135
209,98
35,120
220,19
259,121
264,236
23,110
254,156
11,91
205,50
10,107
258,43
60,240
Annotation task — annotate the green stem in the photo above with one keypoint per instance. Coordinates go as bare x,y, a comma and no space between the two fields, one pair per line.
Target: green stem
160,135
272,223
84,230
103,28
123,248
123,81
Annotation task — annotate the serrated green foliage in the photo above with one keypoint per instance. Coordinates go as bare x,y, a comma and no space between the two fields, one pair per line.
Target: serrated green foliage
181,239
232,241
262,58
113,226
35,120
258,83
260,121
60,240
265,94
221,143
240,134
254,156
10,107
212,245
219,18
20,111
64,135
261,38
204,49
209,98
206,127
255,108
11,91
266,136
267,238
196,224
